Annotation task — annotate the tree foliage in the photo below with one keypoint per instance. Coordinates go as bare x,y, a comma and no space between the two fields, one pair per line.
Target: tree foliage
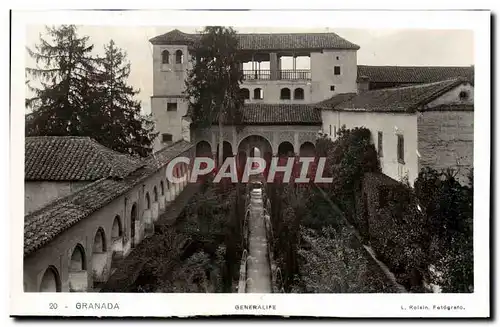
448,206
121,123
80,94
349,157
64,69
329,263
213,84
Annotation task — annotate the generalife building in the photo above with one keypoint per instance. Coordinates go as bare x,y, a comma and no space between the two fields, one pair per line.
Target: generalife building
418,116
87,206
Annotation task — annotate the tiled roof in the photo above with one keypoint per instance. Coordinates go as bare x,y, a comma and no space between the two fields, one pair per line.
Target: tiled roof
278,114
281,114
267,41
414,74
163,156
399,99
42,226
72,158
335,100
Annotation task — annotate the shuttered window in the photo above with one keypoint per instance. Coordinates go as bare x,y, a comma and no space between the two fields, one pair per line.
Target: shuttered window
401,149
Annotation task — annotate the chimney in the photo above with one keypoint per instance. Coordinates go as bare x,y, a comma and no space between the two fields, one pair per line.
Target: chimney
363,84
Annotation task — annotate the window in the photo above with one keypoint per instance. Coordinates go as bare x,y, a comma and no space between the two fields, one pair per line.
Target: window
401,149
336,70
464,95
258,94
379,145
172,106
179,57
165,57
285,94
165,137
298,94
338,58
330,130
332,87
245,93
335,131
148,201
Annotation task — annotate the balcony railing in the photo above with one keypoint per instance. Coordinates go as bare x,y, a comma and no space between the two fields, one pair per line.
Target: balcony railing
249,74
285,74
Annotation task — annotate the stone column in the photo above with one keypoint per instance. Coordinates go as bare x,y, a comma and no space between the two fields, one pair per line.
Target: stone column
273,65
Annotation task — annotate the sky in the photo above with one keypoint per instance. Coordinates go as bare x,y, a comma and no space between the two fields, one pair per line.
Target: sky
402,47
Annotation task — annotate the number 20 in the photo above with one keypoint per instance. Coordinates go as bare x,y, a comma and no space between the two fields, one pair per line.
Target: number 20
52,306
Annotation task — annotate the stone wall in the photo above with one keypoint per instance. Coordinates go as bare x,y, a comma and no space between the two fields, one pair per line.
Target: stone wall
446,140
37,194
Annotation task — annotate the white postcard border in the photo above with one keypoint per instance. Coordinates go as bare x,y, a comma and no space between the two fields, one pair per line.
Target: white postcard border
340,305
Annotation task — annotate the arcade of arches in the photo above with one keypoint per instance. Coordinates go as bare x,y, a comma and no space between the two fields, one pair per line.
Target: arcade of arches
273,139
263,144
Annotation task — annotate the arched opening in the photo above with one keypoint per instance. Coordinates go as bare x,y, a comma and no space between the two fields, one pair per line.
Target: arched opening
99,257
245,93
285,149
253,145
78,281
155,194
133,219
116,230
203,149
116,239
258,94
298,94
51,282
227,150
307,149
77,262
99,242
285,94
165,57
179,57
148,201
162,188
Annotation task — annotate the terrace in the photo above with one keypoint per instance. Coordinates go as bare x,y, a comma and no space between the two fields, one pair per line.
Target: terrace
272,66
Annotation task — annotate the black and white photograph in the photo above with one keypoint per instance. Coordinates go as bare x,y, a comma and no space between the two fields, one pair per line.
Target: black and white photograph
277,165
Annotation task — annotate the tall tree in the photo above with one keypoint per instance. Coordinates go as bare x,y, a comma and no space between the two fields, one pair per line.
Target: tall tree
119,123
83,95
213,85
64,68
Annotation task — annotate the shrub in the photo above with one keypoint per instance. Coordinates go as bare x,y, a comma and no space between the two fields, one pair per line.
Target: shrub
448,206
330,265
349,157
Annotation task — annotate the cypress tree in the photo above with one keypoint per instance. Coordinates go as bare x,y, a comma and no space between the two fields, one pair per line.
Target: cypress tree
64,68
213,85
121,124
84,95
